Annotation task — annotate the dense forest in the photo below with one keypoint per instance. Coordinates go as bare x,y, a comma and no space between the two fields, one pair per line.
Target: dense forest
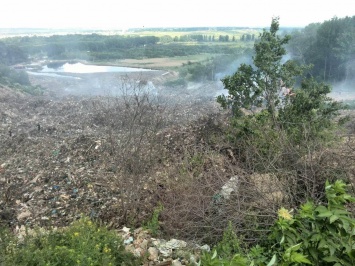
328,46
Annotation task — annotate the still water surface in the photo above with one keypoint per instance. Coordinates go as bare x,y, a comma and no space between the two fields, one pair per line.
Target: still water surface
87,69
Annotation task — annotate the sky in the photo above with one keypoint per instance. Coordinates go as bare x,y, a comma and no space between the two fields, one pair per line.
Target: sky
116,14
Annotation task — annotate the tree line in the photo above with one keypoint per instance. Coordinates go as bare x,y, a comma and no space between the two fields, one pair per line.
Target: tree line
101,47
328,46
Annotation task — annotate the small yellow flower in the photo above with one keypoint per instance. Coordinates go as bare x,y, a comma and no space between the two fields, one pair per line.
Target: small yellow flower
285,214
107,250
76,234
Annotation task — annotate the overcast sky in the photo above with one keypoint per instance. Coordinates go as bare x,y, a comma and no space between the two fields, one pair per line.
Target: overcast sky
116,14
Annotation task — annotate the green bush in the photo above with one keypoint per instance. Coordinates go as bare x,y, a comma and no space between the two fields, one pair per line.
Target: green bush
176,82
82,243
14,76
227,252
315,235
324,234
7,242
153,224
18,80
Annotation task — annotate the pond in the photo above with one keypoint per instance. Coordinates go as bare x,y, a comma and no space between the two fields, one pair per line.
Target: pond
81,68
66,78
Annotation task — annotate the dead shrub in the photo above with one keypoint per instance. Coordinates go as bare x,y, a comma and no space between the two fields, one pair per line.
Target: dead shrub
195,205
131,122
197,208
280,175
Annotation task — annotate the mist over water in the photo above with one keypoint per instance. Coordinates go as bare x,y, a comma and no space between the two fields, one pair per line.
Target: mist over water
87,69
52,75
93,80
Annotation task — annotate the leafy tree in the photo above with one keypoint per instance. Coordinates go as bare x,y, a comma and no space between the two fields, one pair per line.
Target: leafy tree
55,50
301,41
261,85
269,86
329,46
274,123
11,54
166,39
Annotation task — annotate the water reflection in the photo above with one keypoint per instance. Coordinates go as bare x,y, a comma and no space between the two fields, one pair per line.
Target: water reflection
87,69
51,75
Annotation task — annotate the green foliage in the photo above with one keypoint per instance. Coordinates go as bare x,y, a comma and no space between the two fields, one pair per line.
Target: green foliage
329,46
311,108
11,76
207,69
7,242
153,224
268,110
230,244
261,86
175,83
11,54
227,252
33,90
82,243
255,134
109,47
215,260
18,80
323,234
316,235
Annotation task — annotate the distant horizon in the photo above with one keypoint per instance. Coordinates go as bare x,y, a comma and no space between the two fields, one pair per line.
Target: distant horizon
157,27
30,32
144,28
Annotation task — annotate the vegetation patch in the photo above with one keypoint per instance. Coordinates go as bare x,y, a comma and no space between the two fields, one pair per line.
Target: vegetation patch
82,243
